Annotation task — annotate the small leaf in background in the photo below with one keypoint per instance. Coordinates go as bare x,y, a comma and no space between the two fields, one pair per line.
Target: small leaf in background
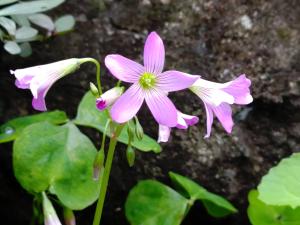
153,203
11,129
4,2
88,115
26,49
42,20
260,213
12,47
64,23
216,205
21,20
58,159
281,186
9,25
30,7
24,33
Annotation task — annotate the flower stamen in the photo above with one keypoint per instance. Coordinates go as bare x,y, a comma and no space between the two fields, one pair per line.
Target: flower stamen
147,80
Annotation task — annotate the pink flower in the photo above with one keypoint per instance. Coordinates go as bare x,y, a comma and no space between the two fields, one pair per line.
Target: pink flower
183,122
218,97
149,83
39,79
109,97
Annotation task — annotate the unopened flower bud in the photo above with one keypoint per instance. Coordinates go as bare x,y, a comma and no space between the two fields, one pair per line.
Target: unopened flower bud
109,97
130,130
69,217
50,216
94,90
98,164
130,155
139,132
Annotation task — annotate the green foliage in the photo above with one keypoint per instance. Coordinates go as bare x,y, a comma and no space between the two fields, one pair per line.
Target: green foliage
260,213
12,129
16,20
58,159
216,205
153,203
281,186
88,115
64,24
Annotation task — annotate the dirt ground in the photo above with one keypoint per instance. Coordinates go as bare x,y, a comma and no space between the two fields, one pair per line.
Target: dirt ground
216,39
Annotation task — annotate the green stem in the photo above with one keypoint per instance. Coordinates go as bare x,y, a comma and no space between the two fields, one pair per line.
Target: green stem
105,178
97,72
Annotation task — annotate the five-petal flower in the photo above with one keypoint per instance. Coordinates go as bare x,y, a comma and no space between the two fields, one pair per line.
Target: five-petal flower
218,97
149,84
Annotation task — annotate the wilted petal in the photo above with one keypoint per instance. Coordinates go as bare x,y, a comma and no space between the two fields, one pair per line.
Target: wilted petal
154,54
239,89
163,133
126,107
209,119
161,107
39,103
123,68
184,120
24,76
174,80
224,113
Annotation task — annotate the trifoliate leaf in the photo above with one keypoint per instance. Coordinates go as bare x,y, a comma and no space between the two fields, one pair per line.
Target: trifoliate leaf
58,159
13,128
153,203
281,186
216,205
260,213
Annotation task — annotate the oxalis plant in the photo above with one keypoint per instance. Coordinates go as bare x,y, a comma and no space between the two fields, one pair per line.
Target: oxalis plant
22,22
58,164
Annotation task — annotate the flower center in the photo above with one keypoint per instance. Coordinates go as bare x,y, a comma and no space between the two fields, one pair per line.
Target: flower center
147,80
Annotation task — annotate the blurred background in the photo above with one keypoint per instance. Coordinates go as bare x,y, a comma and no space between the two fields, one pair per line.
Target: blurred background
218,40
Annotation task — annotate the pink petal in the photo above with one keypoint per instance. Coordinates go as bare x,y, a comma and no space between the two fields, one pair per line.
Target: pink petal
161,107
126,107
224,113
39,102
124,69
239,89
211,92
24,76
154,54
209,119
184,120
174,80
163,133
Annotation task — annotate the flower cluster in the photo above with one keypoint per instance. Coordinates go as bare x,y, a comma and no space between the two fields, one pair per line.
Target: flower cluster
148,84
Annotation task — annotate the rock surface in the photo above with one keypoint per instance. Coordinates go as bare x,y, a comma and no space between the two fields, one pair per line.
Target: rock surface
216,39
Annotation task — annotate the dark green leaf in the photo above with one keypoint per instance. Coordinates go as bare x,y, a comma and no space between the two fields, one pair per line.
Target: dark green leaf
58,159
260,213
88,115
216,205
281,186
153,203
11,129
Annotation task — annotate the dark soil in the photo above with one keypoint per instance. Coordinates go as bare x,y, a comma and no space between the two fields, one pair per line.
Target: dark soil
201,37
